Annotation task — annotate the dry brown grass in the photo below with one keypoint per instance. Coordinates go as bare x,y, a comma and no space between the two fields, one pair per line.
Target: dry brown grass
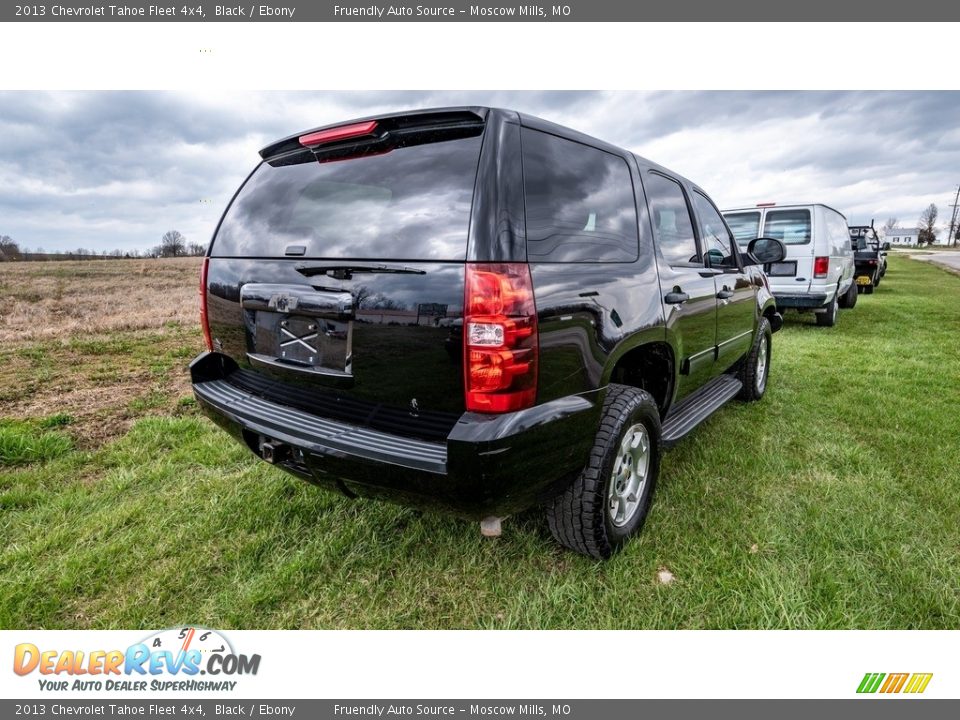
102,341
42,300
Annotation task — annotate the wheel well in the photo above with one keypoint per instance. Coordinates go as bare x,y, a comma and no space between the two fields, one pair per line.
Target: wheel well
651,368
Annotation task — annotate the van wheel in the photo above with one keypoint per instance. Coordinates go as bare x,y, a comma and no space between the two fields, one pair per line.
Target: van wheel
829,318
609,501
849,298
755,368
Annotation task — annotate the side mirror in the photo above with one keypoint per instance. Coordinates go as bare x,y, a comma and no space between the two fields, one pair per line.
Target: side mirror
886,246
765,250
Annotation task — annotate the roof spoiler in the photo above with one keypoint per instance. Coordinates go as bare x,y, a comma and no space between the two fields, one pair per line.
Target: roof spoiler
380,130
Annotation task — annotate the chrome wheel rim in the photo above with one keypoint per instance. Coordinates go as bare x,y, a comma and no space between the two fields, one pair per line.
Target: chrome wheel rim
629,477
762,364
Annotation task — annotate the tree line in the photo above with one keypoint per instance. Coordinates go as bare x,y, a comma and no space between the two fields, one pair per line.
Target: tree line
172,244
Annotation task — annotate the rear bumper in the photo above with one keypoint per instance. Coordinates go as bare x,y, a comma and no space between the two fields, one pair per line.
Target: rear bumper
488,465
785,300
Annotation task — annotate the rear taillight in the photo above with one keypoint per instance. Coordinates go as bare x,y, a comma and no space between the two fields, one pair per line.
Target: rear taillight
204,322
820,267
500,344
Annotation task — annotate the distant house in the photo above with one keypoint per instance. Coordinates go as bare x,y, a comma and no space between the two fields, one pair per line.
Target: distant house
905,237
902,236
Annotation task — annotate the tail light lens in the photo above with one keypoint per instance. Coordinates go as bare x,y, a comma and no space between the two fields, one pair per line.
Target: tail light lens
820,267
204,323
344,132
500,344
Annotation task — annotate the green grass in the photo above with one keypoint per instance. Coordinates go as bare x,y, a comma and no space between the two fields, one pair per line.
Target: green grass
32,442
830,504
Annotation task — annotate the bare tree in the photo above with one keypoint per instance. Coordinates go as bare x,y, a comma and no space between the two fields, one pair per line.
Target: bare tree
196,249
890,224
9,250
927,223
172,244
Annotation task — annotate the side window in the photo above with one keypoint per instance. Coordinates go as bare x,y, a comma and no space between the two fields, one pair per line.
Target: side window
580,204
717,241
839,233
671,220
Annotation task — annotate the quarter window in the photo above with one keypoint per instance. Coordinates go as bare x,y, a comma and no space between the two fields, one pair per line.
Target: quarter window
671,220
580,202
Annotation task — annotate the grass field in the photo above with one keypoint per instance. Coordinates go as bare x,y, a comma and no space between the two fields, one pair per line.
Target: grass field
833,503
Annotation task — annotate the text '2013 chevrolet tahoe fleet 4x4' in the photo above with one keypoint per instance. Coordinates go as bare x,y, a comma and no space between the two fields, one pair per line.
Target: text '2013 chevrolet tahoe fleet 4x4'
480,311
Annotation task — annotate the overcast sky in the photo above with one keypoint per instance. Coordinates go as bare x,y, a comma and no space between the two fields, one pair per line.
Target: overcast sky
106,170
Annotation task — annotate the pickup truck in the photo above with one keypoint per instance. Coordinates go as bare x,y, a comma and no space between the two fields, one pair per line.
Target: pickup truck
870,261
480,311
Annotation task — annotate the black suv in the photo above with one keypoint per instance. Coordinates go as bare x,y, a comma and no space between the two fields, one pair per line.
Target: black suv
480,311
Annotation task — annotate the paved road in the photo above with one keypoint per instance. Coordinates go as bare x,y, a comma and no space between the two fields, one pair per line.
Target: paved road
949,259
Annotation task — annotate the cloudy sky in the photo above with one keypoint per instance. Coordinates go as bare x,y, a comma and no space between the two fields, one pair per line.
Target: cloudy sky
108,170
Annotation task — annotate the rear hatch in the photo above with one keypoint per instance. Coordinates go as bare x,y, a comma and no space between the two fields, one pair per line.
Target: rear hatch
336,277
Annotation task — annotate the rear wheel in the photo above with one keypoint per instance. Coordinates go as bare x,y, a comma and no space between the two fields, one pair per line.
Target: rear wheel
829,317
849,298
610,499
868,289
756,365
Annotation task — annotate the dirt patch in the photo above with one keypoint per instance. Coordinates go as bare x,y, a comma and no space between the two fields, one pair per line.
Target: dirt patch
104,342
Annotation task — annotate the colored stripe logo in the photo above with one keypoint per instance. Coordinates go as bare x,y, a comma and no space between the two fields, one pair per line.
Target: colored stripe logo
913,683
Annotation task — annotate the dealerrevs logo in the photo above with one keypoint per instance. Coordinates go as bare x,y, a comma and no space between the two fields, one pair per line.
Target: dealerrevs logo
173,659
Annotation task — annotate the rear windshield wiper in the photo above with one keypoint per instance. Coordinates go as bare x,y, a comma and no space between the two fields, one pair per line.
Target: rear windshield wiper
345,272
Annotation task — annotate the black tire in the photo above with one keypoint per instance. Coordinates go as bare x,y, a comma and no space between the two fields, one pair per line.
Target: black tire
829,318
849,299
876,279
580,517
750,374
868,289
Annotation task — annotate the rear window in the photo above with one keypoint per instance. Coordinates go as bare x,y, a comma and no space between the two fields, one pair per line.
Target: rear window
411,203
745,226
792,227
579,199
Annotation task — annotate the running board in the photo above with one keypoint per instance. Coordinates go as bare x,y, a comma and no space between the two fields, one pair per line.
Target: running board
697,407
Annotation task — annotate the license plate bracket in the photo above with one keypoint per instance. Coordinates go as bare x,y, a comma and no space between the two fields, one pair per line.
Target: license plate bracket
302,341
783,269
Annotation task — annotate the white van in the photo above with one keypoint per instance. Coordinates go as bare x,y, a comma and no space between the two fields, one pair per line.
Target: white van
817,273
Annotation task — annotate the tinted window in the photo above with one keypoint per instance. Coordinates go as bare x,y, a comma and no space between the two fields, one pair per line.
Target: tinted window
790,226
409,203
745,226
716,239
579,202
671,220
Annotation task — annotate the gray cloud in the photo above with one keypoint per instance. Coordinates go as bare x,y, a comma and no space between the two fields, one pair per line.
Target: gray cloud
112,170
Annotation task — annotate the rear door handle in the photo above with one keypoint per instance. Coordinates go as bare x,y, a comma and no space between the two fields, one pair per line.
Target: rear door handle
675,298
298,299
725,294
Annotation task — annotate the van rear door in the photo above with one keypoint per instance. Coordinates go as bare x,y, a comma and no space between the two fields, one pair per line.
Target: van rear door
793,227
